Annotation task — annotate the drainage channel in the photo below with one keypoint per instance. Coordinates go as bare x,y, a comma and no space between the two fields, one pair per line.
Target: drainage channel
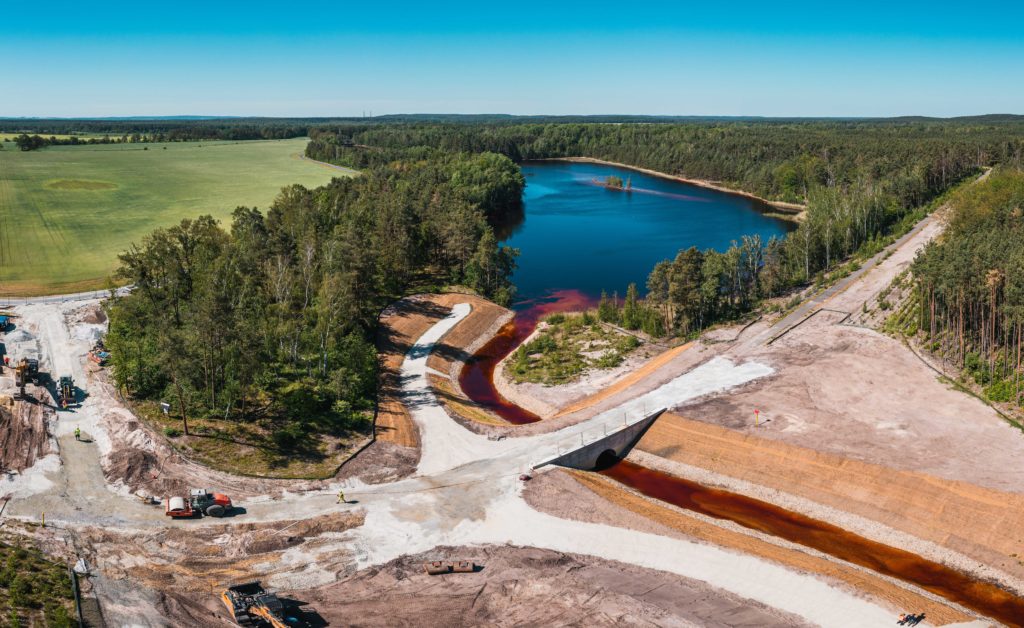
987,599
477,377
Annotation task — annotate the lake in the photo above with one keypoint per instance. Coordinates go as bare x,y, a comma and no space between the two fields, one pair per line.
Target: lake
577,238
577,235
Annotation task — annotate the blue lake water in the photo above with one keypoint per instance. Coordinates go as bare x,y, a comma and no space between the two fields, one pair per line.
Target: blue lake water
578,235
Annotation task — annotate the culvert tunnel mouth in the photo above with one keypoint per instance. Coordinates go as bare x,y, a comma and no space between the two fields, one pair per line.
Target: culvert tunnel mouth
607,460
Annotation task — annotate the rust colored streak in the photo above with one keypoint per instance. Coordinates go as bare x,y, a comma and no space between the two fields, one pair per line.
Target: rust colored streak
985,598
477,377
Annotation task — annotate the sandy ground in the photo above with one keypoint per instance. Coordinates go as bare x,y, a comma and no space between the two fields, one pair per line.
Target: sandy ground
958,523
857,393
466,494
599,499
524,586
185,569
404,322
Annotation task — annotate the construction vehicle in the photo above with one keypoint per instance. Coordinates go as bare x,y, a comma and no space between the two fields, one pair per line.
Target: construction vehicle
26,371
252,605
65,391
200,501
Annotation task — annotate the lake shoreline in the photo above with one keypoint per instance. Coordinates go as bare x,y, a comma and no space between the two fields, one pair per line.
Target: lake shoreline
787,211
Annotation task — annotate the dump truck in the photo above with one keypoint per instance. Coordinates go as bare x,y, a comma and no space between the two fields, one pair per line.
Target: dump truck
252,605
65,391
200,501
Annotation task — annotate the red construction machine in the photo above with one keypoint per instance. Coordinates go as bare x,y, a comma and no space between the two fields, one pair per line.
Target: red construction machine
200,501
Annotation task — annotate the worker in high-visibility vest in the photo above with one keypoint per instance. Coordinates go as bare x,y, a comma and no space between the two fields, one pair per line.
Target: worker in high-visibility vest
341,497
78,433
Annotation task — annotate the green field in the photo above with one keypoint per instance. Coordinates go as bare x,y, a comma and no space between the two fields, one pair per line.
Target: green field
67,211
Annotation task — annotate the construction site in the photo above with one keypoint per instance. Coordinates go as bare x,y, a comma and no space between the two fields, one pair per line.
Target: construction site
803,469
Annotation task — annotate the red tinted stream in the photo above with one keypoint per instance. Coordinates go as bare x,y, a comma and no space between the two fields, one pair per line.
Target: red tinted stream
987,599
477,377
476,380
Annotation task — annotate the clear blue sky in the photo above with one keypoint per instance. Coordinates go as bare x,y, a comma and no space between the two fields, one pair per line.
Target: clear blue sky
305,58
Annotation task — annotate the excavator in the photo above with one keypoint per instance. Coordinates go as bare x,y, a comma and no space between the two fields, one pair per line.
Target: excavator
252,605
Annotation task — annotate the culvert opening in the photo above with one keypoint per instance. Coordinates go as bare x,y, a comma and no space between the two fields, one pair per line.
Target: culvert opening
607,460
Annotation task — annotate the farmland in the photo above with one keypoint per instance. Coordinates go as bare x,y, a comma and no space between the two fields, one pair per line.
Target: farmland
66,212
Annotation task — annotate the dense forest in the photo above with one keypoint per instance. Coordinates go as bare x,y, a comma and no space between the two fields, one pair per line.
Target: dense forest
273,318
782,160
862,182
970,285
274,315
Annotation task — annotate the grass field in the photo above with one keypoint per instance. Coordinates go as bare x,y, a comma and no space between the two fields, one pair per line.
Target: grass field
66,212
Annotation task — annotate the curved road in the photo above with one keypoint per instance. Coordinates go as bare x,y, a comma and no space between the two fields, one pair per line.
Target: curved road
466,492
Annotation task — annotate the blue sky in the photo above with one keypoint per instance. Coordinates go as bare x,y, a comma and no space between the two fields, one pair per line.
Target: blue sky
344,58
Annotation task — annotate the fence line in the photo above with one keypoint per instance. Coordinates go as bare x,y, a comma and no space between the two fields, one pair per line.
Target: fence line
63,298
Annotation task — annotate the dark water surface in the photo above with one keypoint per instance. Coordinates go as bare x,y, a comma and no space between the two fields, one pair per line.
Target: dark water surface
577,238
578,235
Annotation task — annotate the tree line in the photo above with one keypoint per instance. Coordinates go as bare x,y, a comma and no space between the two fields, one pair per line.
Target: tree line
970,285
861,181
273,316
777,159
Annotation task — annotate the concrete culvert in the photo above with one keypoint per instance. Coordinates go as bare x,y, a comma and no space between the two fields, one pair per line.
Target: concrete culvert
607,459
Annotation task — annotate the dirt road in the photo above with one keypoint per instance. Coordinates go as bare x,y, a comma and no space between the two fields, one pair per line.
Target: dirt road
466,493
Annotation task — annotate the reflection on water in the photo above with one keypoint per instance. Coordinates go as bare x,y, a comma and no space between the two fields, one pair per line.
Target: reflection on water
509,223
575,234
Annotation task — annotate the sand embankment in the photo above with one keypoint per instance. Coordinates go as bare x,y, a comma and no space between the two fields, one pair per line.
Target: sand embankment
969,520
790,210
401,324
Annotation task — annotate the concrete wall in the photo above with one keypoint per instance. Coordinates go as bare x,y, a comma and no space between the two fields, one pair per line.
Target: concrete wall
618,443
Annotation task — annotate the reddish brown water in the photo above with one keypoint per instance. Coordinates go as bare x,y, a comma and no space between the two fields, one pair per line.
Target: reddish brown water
982,597
477,377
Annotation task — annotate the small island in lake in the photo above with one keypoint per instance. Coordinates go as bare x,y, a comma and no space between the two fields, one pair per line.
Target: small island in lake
613,182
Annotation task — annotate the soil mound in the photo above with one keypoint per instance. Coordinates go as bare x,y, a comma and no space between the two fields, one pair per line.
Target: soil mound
23,435
94,315
140,470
